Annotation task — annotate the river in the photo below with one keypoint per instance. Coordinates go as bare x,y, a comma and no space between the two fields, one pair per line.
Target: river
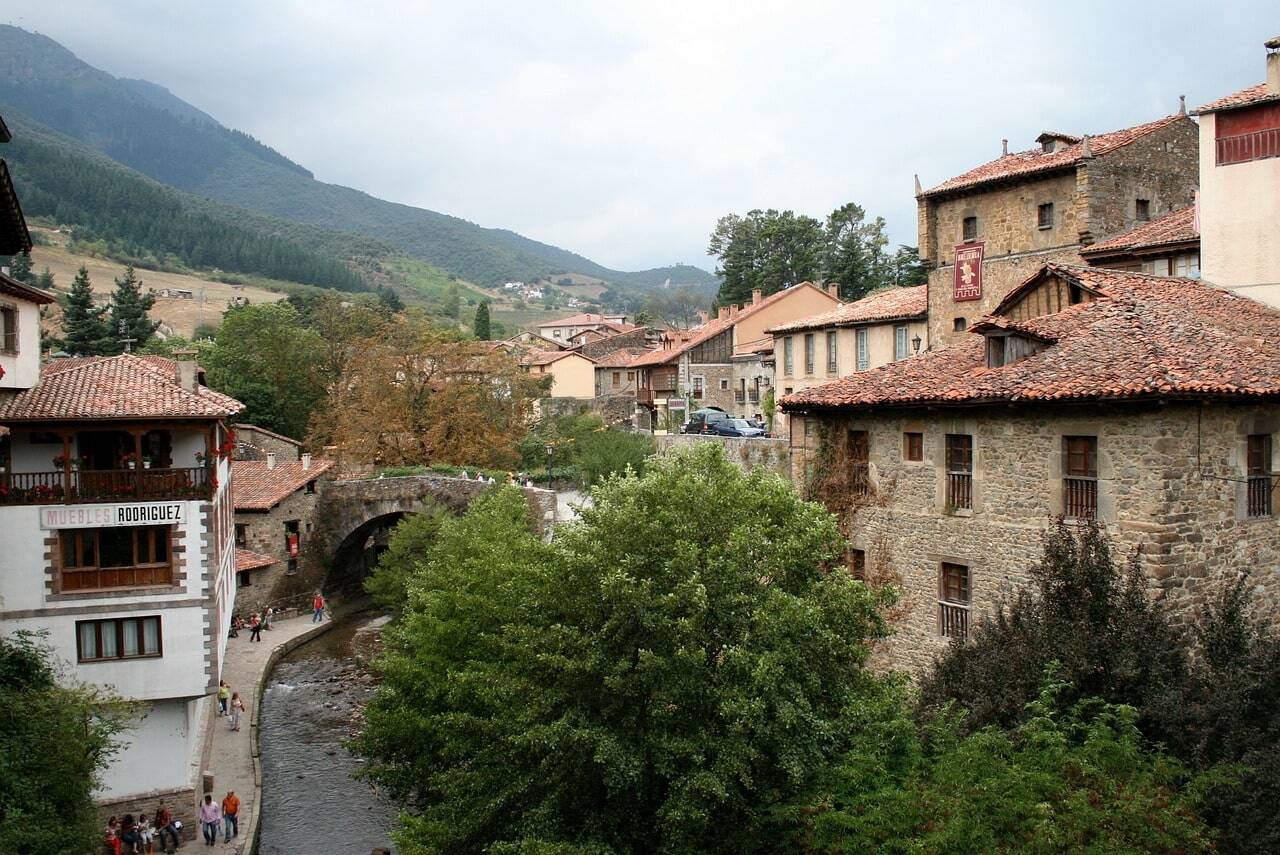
311,802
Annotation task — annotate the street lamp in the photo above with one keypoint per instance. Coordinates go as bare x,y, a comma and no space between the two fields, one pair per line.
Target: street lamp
915,343
551,450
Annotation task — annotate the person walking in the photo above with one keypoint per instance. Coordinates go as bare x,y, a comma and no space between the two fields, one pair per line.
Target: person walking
255,627
224,695
237,710
317,608
210,819
230,815
163,822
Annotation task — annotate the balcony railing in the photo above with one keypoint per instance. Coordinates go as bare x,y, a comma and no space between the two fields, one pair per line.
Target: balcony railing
959,490
1259,496
739,396
953,619
107,485
1080,498
1255,145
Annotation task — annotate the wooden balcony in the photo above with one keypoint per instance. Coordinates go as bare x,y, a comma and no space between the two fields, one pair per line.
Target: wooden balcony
110,485
959,490
1259,496
1080,498
953,619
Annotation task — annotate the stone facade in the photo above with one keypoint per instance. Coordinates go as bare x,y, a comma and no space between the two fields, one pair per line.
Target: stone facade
603,347
254,443
1091,200
265,532
1171,488
717,385
772,454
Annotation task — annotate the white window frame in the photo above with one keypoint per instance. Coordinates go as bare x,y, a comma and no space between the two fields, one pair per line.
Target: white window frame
863,348
900,344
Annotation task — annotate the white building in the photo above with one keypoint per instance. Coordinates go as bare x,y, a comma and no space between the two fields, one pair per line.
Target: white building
117,542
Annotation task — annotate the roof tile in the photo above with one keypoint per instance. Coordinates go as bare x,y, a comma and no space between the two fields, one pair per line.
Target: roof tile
257,487
1175,227
892,304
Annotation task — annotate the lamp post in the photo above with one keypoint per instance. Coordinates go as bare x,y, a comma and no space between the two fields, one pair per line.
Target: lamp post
915,343
551,450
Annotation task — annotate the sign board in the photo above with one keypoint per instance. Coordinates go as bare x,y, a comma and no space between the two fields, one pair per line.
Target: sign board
293,545
109,515
968,271
675,404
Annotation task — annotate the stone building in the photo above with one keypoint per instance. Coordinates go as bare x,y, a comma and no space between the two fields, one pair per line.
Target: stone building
275,503
1006,218
1166,246
255,443
1151,404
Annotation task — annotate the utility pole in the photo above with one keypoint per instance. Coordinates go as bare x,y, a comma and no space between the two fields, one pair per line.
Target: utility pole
124,339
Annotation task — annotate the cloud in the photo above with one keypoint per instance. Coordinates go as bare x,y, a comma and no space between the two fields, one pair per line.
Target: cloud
622,131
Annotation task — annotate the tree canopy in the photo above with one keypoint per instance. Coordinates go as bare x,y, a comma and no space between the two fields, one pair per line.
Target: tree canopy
127,316
84,327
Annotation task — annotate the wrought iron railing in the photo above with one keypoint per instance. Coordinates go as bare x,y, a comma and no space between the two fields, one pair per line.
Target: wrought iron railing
104,485
953,619
1259,496
1080,498
959,490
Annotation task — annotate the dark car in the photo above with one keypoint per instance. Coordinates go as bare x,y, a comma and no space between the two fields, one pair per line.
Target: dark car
702,421
736,427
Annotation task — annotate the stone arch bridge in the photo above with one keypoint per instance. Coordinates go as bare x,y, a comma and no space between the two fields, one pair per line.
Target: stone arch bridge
353,518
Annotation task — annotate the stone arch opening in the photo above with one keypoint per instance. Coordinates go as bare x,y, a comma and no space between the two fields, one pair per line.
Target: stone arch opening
357,554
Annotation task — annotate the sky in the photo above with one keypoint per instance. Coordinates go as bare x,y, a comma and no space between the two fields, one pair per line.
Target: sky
624,130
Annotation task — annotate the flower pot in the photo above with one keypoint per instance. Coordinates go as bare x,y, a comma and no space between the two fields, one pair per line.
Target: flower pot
146,464
133,464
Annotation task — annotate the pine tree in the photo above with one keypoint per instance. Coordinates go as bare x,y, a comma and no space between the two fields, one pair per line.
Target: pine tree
390,300
20,268
84,332
128,318
45,280
481,324
452,301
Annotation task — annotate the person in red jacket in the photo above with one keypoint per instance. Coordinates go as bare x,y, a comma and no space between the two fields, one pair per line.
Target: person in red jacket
317,608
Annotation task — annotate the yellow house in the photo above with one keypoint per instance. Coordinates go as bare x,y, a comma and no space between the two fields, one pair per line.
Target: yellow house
572,374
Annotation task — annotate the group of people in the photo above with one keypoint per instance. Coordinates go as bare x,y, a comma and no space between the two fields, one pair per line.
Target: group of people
129,836
256,623
230,704
226,815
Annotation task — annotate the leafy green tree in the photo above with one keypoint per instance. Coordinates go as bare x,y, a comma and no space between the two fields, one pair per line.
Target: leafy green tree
452,306
271,362
128,314
854,254
20,268
907,268
84,329
662,677
481,323
412,539
390,301
54,743
610,451
769,250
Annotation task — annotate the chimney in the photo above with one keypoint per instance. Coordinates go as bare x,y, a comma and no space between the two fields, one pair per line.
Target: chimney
833,288
724,313
1273,66
733,311
1182,105
1085,151
1004,148
306,460
919,189
755,296
702,316
187,376
271,460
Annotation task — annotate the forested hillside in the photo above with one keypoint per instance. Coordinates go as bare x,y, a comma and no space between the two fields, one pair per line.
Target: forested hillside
147,128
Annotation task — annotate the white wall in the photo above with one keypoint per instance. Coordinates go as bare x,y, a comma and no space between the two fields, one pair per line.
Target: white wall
22,371
156,753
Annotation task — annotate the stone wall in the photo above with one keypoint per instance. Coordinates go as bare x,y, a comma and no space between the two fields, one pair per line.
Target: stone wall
713,395
254,443
606,346
265,534
181,803
1186,523
615,410
772,454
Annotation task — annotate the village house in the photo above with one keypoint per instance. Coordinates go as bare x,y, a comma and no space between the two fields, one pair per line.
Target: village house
564,329
1239,181
987,229
727,361
572,374
1150,404
1169,245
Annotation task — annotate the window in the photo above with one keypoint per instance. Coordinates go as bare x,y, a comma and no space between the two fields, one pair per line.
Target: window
864,357
995,351
631,376
242,578
969,231
856,561
1142,209
959,470
831,352
724,384
787,355
699,387
900,342
808,353
311,488
913,446
118,638
1187,264
1259,475
859,448
1080,477
555,333
242,535
617,378
99,558
953,600
291,567
292,538
8,329
959,324
1044,216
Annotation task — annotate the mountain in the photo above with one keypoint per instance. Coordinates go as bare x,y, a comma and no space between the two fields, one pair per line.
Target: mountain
147,128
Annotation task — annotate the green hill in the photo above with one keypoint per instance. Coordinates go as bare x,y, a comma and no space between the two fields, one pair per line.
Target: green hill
147,128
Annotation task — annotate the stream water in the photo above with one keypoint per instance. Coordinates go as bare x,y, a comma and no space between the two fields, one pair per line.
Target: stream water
311,802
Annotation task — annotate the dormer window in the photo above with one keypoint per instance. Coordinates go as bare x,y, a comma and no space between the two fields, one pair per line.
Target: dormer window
995,351
1046,146
1004,348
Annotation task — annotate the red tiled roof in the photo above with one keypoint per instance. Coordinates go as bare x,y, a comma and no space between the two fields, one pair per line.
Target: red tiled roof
254,487
1244,98
1145,336
23,291
893,304
622,358
546,357
1018,164
1175,227
586,318
114,387
246,560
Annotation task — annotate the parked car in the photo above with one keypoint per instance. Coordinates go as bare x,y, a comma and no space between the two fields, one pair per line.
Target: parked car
701,421
736,427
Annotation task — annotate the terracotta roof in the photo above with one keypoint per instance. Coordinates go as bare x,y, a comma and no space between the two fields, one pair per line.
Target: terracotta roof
254,487
114,387
1244,98
21,290
585,318
1175,227
1032,161
622,358
893,304
246,560
1143,337
546,357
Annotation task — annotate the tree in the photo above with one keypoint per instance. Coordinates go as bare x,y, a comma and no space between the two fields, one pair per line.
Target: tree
411,540
54,743
418,395
610,451
266,358
481,324
854,254
677,308
84,330
20,268
127,318
452,306
769,250
907,268
45,280
662,677
390,301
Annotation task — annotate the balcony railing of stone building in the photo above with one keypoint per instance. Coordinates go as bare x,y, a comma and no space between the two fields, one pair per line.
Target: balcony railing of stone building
1080,498
1254,145
108,485
953,619
959,490
1259,496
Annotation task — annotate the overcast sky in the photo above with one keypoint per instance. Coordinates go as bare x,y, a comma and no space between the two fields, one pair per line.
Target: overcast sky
623,130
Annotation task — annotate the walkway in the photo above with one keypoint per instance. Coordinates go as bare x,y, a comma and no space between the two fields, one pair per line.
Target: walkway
232,758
